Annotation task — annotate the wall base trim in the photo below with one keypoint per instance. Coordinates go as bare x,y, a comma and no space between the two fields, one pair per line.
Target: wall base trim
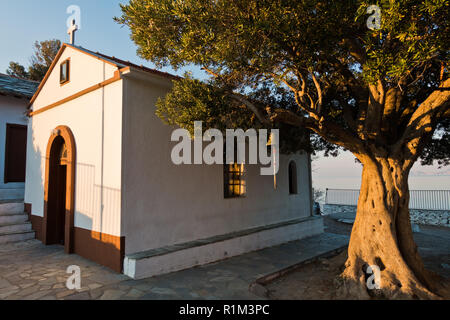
104,249
182,256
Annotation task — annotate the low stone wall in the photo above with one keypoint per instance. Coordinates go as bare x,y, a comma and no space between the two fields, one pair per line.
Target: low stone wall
424,217
430,217
337,208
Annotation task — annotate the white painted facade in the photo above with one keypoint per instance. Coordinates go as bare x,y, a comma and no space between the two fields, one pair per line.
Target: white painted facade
127,186
167,188
95,120
12,111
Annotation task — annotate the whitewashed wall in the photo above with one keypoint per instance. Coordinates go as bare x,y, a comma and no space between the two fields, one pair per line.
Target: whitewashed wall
12,110
85,71
95,120
165,204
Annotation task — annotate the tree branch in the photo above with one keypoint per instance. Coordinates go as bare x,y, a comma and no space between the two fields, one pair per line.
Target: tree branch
423,122
211,72
252,107
299,94
436,103
356,50
318,104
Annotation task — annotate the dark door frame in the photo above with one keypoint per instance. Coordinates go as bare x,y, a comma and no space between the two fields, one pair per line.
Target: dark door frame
6,177
65,133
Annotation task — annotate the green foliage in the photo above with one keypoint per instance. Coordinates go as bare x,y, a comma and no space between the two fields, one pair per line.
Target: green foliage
259,48
193,99
17,70
44,53
254,35
412,33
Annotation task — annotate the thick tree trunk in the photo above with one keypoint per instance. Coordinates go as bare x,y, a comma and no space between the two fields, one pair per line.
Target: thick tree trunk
382,237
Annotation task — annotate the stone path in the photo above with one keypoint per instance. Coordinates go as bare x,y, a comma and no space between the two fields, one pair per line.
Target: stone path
32,271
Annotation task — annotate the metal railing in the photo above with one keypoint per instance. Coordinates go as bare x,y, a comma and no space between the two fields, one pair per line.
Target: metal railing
419,199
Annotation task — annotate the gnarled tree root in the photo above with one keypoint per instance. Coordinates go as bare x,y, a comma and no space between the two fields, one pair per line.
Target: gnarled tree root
356,283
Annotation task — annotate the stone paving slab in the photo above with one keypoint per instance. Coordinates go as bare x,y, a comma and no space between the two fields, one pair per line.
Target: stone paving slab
32,271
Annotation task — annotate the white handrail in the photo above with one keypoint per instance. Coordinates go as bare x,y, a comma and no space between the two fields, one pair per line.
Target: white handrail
419,199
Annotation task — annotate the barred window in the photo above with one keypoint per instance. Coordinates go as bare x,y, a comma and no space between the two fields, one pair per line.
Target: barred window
234,177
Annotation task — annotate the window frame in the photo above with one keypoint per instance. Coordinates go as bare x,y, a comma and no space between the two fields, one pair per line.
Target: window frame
67,80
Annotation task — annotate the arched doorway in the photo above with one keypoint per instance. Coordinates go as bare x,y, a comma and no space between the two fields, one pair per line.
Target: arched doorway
59,190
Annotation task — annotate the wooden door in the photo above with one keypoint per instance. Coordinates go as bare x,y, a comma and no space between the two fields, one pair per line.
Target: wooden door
15,153
60,206
56,213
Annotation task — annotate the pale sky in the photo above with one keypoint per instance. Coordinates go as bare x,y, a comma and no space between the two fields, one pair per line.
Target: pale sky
343,172
22,22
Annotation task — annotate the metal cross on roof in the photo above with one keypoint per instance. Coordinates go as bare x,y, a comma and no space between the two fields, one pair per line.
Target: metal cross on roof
72,29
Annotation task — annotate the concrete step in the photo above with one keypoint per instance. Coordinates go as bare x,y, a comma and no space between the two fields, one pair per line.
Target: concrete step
11,194
13,218
16,237
181,256
11,208
15,227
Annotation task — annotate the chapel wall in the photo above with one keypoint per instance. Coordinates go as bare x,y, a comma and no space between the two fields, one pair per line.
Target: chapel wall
165,204
85,71
95,120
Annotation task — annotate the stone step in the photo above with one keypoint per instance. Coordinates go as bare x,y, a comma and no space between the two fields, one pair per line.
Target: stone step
15,227
181,256
12,194
11,208
13,218
16,237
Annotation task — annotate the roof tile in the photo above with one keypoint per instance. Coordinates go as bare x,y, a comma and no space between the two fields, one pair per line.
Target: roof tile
17,87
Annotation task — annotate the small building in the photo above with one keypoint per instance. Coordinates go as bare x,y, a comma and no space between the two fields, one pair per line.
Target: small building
100,179
15,94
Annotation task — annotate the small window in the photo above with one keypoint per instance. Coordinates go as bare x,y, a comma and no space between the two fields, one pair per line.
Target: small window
234,177
234,180
65,72
293,188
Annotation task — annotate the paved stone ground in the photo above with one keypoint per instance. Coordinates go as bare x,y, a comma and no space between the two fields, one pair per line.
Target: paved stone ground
32,271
